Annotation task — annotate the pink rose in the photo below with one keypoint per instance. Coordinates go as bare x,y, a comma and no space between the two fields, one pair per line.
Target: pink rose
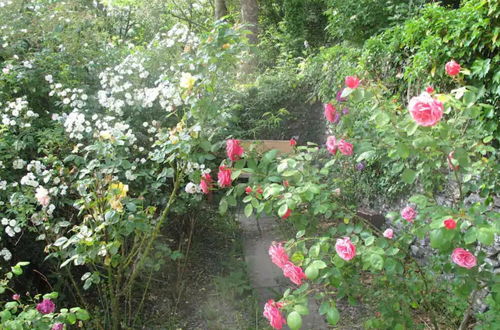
278,254
429,89
450,223
345,249
248,190
408,213
345,147
389,233
233,149
46,306
294,273
330,112
331,145
224,177
463,258
206,183
273,314
425,110
352,82
287,214
293,142
452,68
57,326
16,296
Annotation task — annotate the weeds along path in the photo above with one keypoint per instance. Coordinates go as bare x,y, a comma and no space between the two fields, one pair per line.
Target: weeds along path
267,279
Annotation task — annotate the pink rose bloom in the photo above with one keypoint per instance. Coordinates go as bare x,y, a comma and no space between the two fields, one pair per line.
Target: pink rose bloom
463,258
330,112
16,296
389,233
57,326
293,142
331,145
233,149
408,213
345,249
345,147
273,314
352,82
46,306
294,273
278,254
429,89
287,214
425,110
452,68
224,176
206,183
450,223
42,196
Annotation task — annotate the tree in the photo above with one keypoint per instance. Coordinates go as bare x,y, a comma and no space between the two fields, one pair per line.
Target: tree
250,16
220,9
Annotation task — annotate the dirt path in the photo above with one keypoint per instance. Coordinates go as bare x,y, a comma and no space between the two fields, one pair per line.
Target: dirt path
267,279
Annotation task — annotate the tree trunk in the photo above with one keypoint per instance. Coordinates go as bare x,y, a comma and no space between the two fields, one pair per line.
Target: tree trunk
220,9
250,16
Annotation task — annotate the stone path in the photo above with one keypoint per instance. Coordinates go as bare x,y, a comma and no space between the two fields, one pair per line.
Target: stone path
265,277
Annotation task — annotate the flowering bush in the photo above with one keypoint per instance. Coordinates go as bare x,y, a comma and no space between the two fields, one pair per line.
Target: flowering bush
354,258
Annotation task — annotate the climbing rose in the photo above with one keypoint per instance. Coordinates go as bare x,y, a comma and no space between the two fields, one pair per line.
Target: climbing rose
463,258
452,68
46,306
429,89
248,189
331,145
294,273
233,149
345,249
224,176
16,296
293,142
57,326
389,233
206,183
345,147
278,254
42,196
352,82
425,110
450,223
408,213
273,314
330,112
259,190
287,214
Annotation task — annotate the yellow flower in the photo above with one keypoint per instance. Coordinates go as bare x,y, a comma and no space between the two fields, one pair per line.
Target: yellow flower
187,80
174,139
119,189
226,46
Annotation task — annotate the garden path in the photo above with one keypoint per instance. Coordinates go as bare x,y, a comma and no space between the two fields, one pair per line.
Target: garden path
266,278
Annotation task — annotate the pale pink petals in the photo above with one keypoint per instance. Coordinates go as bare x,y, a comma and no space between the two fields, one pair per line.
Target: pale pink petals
452,68
224,177
294,273
278,254
206,183
273,314
408,213
345,249
389,233
233,149
352,82
345,147
463,258
330,112
425,110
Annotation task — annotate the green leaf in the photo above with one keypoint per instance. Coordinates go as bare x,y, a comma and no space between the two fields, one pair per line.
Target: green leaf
403,150
282,210
311,272
320,264
248,210
332,316
294,320
408,176
223,206
486,235
377,261
82,314
301,309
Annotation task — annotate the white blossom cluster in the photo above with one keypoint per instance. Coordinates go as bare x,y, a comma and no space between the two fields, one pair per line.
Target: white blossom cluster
11,227
192,188
17,113
178,34
5,3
